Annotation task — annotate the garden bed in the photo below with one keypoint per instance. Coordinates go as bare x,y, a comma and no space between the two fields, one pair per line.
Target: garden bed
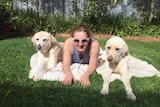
98,36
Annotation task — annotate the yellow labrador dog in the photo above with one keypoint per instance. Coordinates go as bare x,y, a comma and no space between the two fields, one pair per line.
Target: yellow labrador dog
49,51
117,62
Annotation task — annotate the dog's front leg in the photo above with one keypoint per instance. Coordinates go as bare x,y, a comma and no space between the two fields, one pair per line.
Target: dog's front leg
49,67
34,71
126,82
106,81
40,75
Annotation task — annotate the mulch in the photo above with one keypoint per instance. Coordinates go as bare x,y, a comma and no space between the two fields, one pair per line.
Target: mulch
98,36
139,38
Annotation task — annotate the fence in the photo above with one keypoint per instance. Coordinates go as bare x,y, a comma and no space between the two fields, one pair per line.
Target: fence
64,7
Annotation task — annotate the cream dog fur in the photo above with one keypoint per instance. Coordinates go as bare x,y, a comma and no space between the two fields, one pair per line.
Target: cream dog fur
117,62
49,51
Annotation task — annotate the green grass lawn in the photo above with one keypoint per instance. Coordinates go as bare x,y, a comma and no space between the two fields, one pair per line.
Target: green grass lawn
16,90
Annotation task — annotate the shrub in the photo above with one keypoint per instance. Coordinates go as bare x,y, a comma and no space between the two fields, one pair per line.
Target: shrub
30,21
5,12
94,16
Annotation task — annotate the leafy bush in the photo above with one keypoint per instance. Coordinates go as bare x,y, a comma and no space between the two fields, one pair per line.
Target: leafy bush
24,20
156,18
30,21
94,16
5,12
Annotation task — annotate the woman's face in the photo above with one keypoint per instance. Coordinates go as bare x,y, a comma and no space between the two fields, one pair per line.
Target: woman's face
80,40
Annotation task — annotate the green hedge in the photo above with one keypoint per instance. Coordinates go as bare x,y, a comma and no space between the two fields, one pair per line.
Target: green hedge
95,16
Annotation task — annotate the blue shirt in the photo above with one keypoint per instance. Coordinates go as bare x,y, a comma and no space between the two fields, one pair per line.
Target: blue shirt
85,59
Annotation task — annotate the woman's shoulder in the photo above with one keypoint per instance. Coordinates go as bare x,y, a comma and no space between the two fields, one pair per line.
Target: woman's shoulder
69,41
95,43
68,44
95,47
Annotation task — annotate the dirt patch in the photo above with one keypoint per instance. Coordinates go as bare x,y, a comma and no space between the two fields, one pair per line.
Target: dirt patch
139,38
98,36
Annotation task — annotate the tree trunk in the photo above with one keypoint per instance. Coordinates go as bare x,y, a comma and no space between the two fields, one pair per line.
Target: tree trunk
152,10
75,8
63,5
37,6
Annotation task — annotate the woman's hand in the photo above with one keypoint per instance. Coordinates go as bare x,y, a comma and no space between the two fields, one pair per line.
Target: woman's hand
85,80
69,78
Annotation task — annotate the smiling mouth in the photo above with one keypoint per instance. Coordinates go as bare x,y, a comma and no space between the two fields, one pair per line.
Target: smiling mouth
81,47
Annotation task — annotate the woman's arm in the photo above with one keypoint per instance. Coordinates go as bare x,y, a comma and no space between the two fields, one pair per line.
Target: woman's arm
67,57
94,53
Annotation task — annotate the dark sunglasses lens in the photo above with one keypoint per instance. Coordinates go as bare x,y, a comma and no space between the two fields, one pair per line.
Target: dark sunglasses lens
84,40
76,40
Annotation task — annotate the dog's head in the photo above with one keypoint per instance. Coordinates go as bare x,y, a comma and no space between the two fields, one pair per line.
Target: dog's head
116,48
43,41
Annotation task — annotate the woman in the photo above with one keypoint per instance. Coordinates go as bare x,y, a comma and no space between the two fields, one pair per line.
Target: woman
81,50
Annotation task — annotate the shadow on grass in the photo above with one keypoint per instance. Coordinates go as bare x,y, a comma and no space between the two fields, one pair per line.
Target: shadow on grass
19,34
42,94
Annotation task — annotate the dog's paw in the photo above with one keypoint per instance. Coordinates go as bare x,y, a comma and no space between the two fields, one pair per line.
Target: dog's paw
36,78
104,92
31,75
131,96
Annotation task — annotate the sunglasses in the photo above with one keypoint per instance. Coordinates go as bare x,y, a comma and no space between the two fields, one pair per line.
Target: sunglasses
80,40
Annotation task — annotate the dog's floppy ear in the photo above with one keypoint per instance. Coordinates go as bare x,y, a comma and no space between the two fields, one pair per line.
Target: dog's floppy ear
53,39
33,40
126,49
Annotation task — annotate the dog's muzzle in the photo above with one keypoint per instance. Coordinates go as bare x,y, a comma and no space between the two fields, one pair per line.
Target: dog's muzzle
109,58
38,47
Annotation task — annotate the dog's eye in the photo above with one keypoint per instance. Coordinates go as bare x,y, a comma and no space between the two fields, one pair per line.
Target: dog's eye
37,39
117,49
109,47
44,40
